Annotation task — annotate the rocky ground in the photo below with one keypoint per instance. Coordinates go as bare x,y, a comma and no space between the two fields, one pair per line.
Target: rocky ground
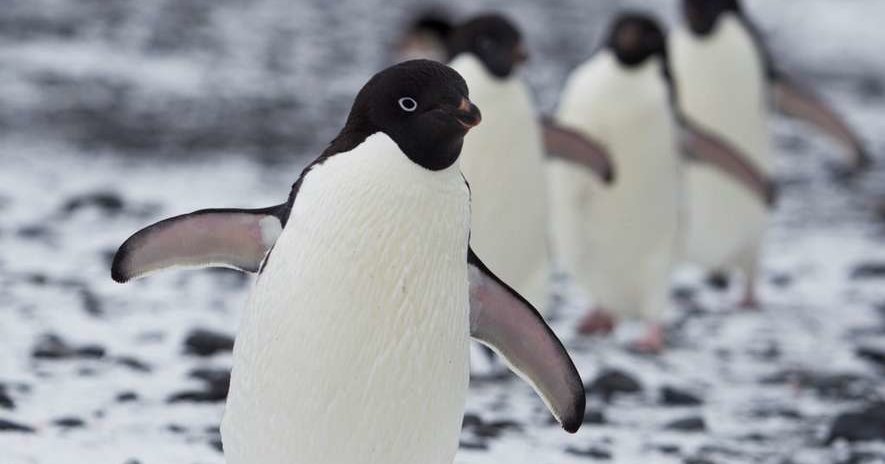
116,113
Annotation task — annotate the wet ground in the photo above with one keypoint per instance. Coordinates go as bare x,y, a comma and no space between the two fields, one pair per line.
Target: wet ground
115,114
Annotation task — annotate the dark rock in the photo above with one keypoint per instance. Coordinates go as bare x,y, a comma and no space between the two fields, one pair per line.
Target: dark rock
671,396
6,401
134,364
873,355
612,382
127,397
176,429
10,426
91,302
669,449
216,384
487,430
698,460
594,453
688,424
132,461
869,271
108,202
217,445
777,412
846,387
69,422
594,417
201,342
867,424
474,445
53,347
782,280
35,232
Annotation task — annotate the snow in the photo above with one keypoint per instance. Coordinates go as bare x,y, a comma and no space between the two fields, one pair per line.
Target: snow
54,261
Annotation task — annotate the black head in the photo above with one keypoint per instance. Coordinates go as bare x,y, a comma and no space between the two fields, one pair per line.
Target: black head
422,105
494,40
703,15
636,37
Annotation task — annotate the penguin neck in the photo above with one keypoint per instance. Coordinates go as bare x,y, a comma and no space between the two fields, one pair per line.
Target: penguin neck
355,132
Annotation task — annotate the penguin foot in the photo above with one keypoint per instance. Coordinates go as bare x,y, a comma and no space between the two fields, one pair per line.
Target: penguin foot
597,322
749,303
652,342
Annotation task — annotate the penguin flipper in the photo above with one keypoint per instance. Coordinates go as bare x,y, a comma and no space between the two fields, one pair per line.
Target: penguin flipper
508,324
567,144
705,147
236,238
801,103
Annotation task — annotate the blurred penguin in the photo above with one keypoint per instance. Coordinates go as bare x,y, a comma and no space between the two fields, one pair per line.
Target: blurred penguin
504,160
621,242
724,77
425,38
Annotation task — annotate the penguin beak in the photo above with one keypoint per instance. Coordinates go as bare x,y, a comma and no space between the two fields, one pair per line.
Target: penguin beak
468,114
520,54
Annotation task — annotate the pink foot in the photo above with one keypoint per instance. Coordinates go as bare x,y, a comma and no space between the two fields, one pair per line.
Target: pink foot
750,302
597,322
652,342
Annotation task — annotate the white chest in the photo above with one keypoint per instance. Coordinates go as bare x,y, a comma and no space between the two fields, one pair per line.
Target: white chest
722,86
354,345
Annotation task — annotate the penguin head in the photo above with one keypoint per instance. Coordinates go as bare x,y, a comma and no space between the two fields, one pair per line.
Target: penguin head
636,37
421,105
493,39
426,37
703,15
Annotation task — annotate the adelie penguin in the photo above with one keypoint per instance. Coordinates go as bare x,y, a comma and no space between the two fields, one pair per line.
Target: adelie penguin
620,242
354,344
726,80
504,160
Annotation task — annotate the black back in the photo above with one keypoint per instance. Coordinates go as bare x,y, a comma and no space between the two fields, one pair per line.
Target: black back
493,39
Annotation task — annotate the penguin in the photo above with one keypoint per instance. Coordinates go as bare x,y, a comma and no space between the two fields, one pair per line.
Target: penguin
620,242
425,38
504,159
726,80
353,346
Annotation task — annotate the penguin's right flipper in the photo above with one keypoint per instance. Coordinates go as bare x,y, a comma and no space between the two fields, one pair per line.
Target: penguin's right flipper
508,324
800,103
236,238
561,142
702,146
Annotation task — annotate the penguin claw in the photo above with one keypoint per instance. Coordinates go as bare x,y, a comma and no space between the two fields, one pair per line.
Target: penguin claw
651,343
597,322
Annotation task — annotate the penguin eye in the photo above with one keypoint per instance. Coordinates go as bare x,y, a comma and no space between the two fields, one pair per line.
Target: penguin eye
408,104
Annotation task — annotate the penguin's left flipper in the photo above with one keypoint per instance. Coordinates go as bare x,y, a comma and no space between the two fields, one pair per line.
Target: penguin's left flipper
568,144
792,100
702,146
508,324
236,238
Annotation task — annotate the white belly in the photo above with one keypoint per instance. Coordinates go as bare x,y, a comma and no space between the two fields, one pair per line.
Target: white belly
722,88
354,344
503,160
619,241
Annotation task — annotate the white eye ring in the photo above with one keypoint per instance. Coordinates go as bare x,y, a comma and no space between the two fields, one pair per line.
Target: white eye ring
408,104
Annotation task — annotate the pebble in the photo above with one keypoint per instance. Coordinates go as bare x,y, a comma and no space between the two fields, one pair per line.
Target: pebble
866,424
688,424
612,382
202,342
671,396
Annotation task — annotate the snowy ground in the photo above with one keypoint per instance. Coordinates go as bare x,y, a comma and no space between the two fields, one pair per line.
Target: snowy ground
102,134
